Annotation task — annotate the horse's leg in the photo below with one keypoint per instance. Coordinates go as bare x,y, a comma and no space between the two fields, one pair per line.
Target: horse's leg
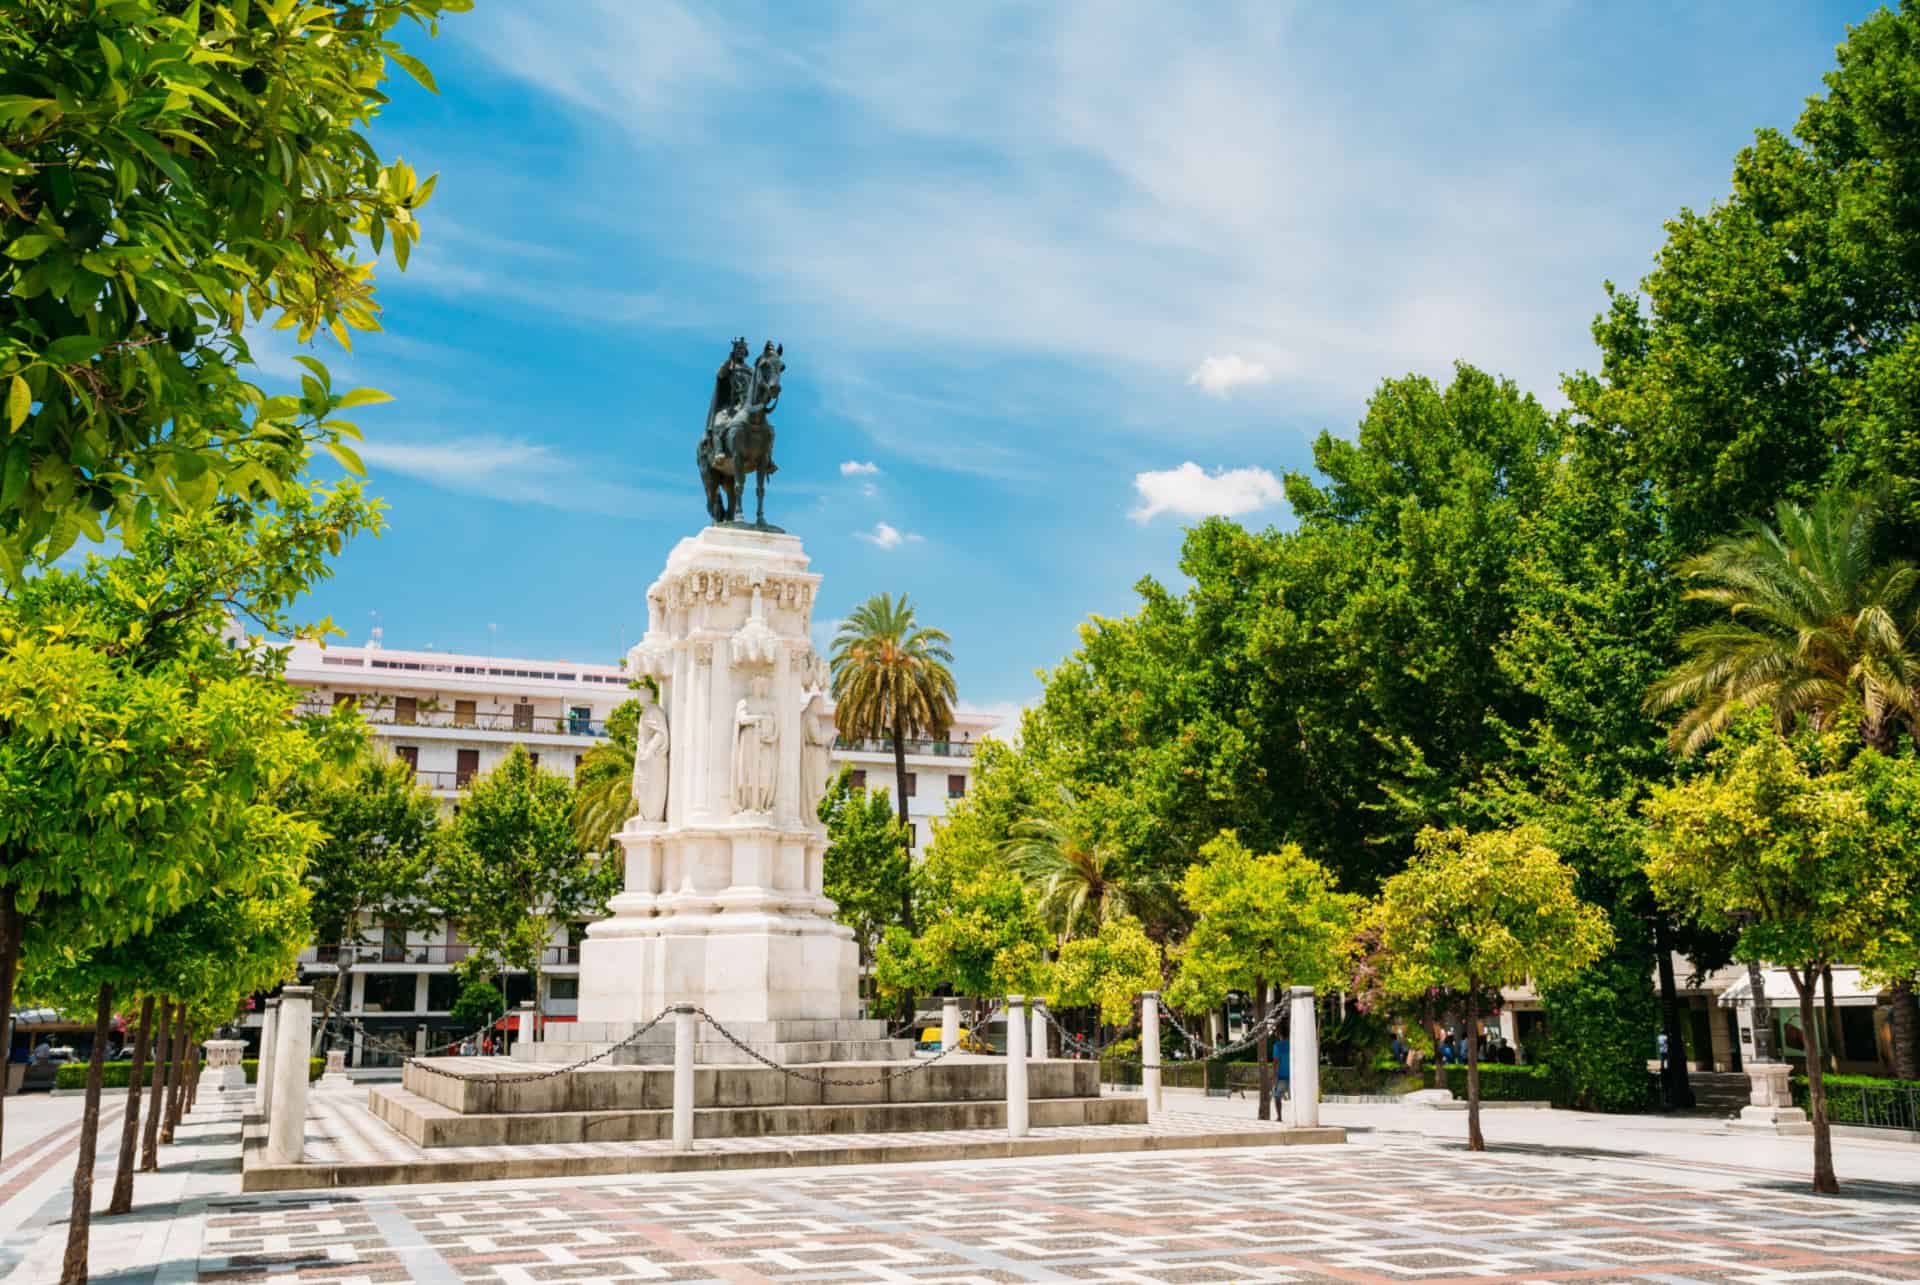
760,498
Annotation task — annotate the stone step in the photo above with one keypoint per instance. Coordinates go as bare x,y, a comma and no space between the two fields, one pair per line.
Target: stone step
427,1123
500,1086
715,1052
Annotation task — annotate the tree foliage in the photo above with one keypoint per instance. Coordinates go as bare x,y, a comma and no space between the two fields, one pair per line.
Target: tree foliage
866,869
1108,969
169,175
981,933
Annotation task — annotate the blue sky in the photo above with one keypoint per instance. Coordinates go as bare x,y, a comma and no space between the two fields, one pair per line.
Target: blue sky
1053,281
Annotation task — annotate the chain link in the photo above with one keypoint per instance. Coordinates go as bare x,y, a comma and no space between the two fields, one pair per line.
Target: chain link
1080,1043
911,1068
535,1077
1208,1051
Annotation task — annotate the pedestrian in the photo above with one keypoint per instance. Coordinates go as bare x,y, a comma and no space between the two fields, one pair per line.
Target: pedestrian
1448,1054
1399,1050
1282,1073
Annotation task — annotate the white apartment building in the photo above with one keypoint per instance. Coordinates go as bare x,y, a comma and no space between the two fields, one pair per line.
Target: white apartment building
452,718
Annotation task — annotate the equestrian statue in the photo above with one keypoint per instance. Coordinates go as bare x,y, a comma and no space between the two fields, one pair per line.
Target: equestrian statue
739,436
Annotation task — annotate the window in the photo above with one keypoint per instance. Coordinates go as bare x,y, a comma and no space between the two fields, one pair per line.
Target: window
956,785
523,717
408,754
466,765
463,713
441,990
406,709
912,781
328,954
519,987
859,778
388,993
393,944
563,988
580,720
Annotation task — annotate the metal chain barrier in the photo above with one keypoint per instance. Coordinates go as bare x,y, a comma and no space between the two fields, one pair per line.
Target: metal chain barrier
535,1076
1208,1051
835,1081
1079,1043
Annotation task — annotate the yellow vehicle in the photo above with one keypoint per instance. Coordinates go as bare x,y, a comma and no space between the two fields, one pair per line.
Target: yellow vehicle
929,1041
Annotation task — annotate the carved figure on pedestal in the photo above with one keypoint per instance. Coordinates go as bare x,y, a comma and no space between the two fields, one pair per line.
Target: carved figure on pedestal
816,753
756,750
652,746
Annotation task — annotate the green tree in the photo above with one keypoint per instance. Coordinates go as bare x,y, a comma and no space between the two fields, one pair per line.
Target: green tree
603,783
1262,920
375,864
1774,351
512,873
1814,622
1476,912
1109,969
141,758
1777,840
1079,881
169,174
210,955
982,935
866,870
477,1004
891,681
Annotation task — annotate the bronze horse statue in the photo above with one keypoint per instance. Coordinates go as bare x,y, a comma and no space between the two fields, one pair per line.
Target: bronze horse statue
739,438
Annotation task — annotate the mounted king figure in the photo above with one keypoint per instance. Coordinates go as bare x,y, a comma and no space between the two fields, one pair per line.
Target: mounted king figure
739,436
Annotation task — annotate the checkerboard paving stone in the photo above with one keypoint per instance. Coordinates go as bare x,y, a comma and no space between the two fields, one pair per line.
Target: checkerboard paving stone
1396,1211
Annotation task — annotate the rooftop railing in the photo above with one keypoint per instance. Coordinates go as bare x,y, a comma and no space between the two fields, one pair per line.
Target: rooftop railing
881,745
391,953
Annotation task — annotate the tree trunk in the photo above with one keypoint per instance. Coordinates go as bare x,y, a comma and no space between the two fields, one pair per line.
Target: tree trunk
1267,1070
9,970
1759,1014
1831,1031
175,1074
79,1221
1433,1032
1674,1082
1474,1141
906,841
1824,1182
130,1126
162,1048
1904,1026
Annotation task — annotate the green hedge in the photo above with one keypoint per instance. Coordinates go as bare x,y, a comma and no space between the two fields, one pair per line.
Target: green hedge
1867,1099
113,1075
1502,1083
1368,1080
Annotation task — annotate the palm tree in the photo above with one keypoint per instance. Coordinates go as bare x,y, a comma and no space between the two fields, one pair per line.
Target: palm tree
1813,624
890,679
603,783
1077,880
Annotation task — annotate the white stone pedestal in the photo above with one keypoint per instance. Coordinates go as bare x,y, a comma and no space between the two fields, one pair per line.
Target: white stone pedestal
1303,1047
723,904
335,1077
224,1079
293,1044
1770,1107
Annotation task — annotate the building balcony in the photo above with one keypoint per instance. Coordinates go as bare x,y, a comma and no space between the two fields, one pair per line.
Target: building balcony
509,723
377,953
939,749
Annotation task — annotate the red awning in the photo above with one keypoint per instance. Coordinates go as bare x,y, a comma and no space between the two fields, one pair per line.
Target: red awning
511,1022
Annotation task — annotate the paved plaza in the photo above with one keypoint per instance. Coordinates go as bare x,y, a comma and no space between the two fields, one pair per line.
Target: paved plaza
1561,1197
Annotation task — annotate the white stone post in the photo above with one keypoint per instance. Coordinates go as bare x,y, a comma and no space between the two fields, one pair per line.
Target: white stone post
1770,1107
525,1033
685,1026
359,1053
263,1070
287,1127
1037,1046
224,1080
419,1041
949,1022
1150,1049
1016,1066
335,1076
1304,1046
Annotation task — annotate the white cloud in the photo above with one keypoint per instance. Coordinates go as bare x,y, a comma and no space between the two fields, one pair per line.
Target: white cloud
1219,376
854,468
508,469
886,536
1190,491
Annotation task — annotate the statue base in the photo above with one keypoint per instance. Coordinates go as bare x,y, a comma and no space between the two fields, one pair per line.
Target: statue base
723,903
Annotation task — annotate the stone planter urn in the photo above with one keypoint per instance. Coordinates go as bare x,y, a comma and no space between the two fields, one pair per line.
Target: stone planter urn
1770,1107
336,1076
223,1074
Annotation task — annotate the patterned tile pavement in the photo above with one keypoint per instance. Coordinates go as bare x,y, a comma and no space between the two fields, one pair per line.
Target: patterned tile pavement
1397,1209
